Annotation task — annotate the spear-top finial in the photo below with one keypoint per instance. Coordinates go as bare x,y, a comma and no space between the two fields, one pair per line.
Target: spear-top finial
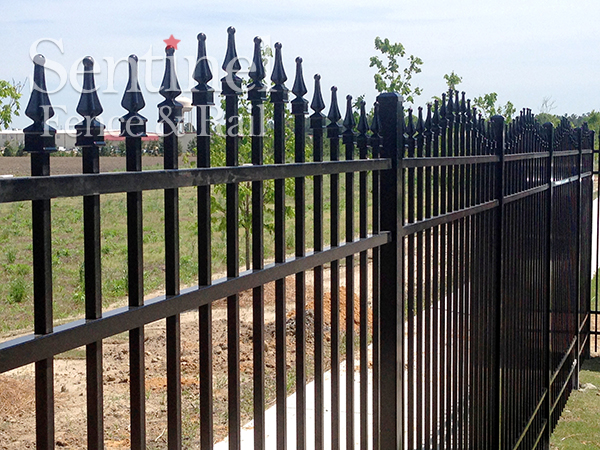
362,126
435,120
133,124
317,104
420,122
375,124
334,112
333,129
202,93
317,119
257,91
257,71
299,88
456,103
299,104
443,110
39,136
349,122
89,130
170,110
450,108
374,138
231,64
231,83
39,108
278,76
133,100
279,93
468,113
428,121
169,87
410,129
89,104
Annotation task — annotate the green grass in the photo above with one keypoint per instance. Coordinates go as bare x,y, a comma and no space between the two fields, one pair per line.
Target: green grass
16,277
579,425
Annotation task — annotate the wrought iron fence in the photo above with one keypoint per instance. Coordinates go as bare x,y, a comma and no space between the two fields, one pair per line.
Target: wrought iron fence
478,233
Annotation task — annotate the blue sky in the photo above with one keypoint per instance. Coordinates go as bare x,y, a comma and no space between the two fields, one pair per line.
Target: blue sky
523,50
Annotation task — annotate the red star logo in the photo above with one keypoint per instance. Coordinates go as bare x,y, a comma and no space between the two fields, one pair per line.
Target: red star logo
172,42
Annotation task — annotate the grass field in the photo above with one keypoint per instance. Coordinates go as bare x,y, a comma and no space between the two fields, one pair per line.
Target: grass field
579,425
16,279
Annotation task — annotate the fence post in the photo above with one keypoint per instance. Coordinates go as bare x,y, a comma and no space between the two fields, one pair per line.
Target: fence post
588,302
392,276
497,124
578,137
547,341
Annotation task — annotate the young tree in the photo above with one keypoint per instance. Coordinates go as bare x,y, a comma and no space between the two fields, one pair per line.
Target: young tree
10,93
488,107
217,156
452,80
390,77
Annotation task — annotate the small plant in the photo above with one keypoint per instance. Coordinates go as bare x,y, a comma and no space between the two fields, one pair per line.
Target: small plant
11,256
17,291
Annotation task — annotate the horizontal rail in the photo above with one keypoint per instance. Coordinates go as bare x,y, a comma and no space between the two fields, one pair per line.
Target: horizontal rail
583,322
562,361
558,153
437,161
43,188
540,434
28,349
531,419
526,193
583,343
572,179
562,390
522,156
421,225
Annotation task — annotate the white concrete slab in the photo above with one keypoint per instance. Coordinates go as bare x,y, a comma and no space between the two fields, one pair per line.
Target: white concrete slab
247,437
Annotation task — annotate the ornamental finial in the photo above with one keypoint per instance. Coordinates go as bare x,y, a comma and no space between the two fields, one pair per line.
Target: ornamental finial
133,124
334,112
89,104
202,93
349,122
299,104
170,110
39,108
317,104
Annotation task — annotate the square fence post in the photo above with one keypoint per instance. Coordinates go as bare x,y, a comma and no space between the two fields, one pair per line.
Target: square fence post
497,124
549,129
392,277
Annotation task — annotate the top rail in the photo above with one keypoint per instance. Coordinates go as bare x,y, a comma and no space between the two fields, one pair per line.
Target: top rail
43,188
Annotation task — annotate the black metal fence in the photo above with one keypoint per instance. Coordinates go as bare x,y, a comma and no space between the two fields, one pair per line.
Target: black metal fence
475,234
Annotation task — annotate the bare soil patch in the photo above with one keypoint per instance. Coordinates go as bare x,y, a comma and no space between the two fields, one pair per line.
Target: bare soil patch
20,166
17,398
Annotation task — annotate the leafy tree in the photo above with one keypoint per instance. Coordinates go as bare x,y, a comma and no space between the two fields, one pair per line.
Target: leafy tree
390,77
488,106
10,93
452,80
217,156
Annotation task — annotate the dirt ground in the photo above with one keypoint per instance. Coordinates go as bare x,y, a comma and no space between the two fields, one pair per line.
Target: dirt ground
17,398
20,166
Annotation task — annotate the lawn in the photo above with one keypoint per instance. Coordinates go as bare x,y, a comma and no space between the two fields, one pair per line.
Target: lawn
579,425
16,279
